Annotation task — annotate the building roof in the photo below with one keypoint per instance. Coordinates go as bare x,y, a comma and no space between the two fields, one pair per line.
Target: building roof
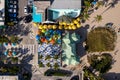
2,6
8,77
66,4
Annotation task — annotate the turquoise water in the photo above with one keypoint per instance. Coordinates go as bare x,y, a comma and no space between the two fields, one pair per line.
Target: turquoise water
37,17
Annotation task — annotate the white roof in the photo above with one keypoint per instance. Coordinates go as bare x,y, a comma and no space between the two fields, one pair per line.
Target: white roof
66,4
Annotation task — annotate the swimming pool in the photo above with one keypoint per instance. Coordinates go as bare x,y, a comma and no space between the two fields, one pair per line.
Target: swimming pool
37,17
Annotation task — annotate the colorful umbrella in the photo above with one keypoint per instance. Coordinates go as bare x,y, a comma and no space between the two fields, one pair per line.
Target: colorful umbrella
37,37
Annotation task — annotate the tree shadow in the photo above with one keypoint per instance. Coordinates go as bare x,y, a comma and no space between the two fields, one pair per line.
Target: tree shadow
111,76
111,5
83,35
26,59
19,29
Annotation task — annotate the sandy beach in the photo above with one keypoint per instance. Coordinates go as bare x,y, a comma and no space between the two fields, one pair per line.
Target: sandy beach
109,15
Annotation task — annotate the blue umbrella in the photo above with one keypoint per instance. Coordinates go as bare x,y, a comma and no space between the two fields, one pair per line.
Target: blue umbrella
14,53
5,53
5,44
59,41
37,37
47,37
13,44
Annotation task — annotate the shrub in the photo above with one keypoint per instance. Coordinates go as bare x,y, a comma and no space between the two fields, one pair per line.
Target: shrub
101,63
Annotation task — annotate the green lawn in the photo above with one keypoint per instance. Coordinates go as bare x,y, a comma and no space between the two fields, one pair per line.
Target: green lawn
101,39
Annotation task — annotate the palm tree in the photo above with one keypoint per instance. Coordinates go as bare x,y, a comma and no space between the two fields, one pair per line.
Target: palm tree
98,18
86,16
87,4
56,66
100,3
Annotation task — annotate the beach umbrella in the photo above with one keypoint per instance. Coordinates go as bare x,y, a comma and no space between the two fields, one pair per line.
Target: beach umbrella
37,37
46,41
42,39
64,23
43,31
14,53
78,19
52,41
71,24
6,53
78,25
49,26
10,53
13,44
47,38
59,41
54,26
44,26
65,27
60,27
69,27
40,26
5,44
50,31
73,27
38,32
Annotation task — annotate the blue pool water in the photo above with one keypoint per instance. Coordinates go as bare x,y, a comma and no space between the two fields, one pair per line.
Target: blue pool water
37,17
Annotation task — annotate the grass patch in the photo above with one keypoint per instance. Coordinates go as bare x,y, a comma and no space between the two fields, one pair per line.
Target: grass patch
101,39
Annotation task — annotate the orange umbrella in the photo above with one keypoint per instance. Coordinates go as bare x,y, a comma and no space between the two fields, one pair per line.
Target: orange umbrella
46,41
10,53
42,39
38,32
52,41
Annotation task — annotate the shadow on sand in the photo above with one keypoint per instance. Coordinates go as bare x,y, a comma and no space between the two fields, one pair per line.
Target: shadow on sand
111,76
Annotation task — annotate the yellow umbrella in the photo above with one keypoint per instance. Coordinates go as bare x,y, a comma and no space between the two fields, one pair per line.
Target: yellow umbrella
71,24
44,26
49,26
40,26
65,27
54,26
78,25
60,27
73,27
78,19
75,21
70,27
60,23
43,30
64,23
